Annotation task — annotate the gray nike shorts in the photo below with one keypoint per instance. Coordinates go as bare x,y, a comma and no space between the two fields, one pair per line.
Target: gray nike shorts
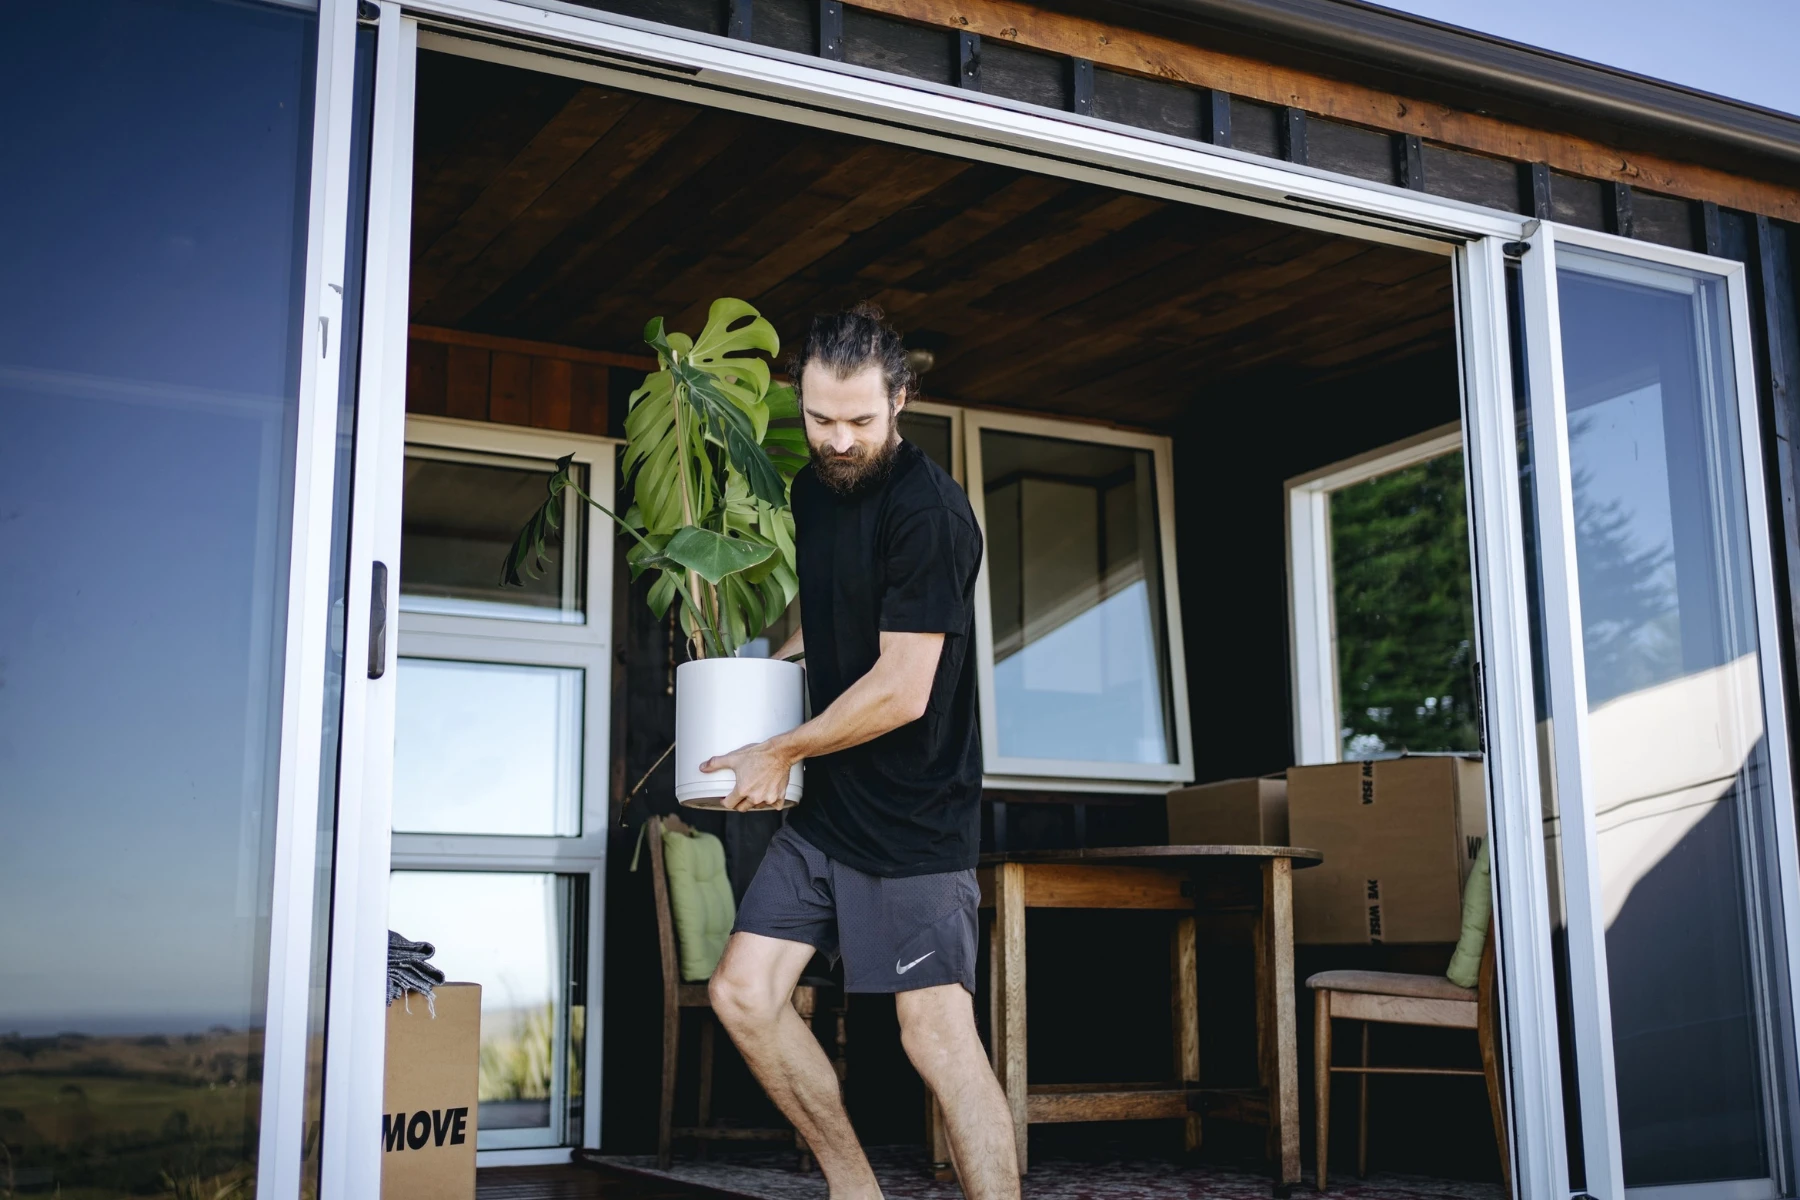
894,935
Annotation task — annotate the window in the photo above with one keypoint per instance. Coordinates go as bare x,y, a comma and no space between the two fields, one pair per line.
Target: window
937,430
514,931
1077,615
1382,610
1077,618
500,763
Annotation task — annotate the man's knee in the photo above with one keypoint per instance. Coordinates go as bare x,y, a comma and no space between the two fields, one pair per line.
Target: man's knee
743,996
937,1026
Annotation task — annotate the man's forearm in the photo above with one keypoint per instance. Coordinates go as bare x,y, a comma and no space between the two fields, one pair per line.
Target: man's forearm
793,647
870,707
893,692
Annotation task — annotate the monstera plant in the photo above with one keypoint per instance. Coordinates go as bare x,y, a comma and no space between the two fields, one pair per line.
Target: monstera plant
709,471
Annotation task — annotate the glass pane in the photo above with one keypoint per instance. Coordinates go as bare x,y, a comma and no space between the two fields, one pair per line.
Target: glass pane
930,433
459,516
511,933
487,748
1403,613
1679,763
1075,585
149,382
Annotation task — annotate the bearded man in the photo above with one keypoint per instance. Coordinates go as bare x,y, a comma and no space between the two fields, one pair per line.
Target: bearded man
876,865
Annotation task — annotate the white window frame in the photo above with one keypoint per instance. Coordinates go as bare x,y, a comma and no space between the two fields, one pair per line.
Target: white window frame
1312,601
601,47
954,414
535,642
1009,771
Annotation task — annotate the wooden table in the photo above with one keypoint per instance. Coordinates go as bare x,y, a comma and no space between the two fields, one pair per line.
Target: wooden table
1176,879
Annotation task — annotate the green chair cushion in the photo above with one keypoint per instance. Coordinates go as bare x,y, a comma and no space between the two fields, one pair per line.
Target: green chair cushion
700,898
1478,905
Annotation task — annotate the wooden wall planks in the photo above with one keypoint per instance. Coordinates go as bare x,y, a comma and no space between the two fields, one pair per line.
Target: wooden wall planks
1145,54
510,381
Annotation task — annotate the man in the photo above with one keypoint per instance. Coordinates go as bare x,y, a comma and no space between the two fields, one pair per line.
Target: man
876,865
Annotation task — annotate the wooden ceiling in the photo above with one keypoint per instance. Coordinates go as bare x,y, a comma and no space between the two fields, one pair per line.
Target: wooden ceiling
561,212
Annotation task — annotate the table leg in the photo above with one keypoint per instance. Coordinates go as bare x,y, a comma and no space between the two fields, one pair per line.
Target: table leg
1265,1063
1184,1004
1009,996
996,998
1277,1002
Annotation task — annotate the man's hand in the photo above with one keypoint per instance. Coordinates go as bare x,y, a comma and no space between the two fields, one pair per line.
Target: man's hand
762,775
896,690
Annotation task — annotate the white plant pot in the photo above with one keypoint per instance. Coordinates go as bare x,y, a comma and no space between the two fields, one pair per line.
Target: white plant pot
724,703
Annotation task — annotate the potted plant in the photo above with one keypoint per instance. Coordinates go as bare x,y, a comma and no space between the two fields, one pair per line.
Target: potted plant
709,473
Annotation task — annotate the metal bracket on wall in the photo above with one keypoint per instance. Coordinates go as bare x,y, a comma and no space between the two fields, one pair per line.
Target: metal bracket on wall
1293,135
831,30
1409,154
1618,208
1218,116
1536,186
968,61
1081,86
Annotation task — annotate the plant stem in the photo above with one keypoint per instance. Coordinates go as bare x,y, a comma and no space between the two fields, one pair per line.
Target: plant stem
698,646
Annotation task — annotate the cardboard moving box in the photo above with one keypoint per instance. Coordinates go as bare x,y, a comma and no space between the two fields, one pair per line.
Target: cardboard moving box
428,1121
1399,837
1234,812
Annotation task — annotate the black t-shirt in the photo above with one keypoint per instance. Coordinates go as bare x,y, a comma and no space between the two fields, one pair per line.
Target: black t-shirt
898,557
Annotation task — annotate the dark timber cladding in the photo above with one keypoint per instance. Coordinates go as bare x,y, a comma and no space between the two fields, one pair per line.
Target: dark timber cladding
565,213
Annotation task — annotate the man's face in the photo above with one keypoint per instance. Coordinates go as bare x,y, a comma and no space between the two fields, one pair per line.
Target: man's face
849,425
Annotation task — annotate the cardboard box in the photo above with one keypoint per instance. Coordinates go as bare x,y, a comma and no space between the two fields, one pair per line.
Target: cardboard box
1234,812
429,1115
1399,837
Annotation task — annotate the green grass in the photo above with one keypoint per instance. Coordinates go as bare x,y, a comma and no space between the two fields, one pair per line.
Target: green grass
86,1118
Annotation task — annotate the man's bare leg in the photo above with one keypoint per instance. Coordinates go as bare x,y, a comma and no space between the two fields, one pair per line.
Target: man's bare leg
937,1027
751,992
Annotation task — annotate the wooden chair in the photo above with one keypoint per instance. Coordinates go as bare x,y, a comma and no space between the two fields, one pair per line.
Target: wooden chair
678,995
1393,999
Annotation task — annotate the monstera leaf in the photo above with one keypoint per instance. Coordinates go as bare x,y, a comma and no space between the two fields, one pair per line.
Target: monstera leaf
713,556
711,446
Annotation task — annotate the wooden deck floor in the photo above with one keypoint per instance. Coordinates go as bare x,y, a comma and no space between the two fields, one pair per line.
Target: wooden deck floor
580,1182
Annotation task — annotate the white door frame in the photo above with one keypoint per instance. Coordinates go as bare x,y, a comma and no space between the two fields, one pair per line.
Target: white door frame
1503,632
617,51
356,1022
1565,669
282,1127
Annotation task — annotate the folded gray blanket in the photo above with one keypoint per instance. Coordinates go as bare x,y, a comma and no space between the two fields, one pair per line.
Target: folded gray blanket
408,970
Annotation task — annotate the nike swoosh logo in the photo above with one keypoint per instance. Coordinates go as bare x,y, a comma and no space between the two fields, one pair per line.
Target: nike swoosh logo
900,970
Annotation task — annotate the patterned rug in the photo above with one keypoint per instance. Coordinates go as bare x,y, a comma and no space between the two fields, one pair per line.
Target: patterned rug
774,1175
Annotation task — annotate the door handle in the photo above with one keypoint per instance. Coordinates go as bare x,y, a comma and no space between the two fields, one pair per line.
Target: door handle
378,603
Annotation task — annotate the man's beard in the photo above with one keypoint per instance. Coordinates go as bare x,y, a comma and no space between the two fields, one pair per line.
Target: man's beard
862,468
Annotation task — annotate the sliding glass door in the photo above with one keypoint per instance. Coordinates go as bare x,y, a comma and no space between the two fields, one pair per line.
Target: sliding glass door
1671,765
